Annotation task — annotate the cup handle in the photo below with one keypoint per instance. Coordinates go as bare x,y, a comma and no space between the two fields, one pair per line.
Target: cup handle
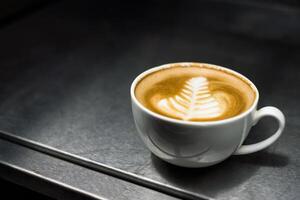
263,112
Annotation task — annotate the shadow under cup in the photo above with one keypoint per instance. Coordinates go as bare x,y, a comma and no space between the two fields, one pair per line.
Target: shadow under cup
189,143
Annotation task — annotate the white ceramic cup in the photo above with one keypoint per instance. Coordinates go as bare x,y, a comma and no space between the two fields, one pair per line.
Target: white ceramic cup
200,144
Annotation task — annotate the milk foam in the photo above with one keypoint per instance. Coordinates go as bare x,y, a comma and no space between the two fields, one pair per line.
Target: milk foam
194,101
195,93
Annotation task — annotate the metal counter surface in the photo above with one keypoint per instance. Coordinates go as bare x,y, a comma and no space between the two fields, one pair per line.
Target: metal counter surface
66,71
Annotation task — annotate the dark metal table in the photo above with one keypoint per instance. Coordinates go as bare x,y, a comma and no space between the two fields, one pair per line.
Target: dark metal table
65,115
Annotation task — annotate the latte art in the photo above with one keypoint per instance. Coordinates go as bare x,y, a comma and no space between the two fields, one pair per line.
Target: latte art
194,101
194,93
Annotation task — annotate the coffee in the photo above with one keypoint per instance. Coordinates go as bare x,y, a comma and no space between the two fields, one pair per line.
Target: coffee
195,92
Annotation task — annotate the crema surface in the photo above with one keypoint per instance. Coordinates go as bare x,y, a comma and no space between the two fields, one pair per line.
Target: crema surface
195,92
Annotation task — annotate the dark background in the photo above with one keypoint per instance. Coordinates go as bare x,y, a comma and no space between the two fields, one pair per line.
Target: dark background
13,191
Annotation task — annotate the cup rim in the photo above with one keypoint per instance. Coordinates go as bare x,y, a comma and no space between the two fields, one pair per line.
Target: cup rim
197,123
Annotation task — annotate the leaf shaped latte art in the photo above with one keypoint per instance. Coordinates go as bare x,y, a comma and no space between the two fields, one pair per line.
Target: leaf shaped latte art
195,101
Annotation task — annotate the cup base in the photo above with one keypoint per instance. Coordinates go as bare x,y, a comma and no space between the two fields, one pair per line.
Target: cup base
190,163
